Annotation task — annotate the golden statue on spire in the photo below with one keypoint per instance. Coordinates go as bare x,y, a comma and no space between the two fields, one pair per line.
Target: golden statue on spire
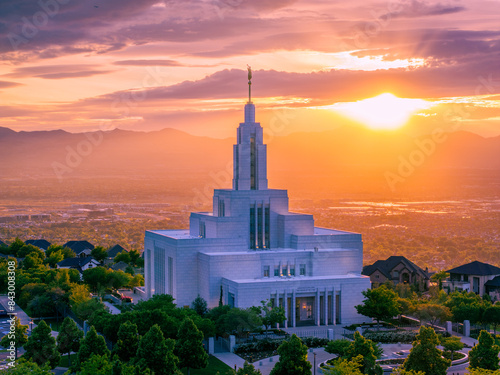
249,83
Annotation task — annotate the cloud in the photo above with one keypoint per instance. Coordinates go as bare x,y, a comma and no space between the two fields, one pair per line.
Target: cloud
416,8
148,63
57,71
6,84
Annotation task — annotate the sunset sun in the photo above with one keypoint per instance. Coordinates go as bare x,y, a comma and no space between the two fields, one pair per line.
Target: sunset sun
385,111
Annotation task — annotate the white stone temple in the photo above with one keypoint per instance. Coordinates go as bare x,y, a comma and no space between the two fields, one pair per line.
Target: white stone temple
252,248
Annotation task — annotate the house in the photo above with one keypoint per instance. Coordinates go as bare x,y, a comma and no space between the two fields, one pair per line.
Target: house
79,263
120,266
81,248
112,252
472,277
493,288
41,244
397,269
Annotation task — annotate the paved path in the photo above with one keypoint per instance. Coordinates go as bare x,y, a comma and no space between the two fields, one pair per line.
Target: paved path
112,309
230,359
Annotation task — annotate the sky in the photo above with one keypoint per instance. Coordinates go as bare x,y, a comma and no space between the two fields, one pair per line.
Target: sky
147,65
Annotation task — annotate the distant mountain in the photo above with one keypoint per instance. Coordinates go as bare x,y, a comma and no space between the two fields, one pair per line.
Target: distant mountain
172,152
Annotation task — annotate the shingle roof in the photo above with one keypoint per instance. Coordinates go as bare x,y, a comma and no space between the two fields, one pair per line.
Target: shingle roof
75,262
476,268
386,266
112,252
41,243
79,246
121,265
493,282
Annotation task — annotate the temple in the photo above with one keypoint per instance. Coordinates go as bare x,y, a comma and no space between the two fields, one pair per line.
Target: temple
251,248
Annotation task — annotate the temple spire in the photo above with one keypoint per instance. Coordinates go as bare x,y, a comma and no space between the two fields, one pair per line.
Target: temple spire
249,83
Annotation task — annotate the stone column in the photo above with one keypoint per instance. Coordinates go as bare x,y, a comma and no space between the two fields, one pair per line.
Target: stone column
334,308
325,307
466,328
317,305
211,345
294,303
285,300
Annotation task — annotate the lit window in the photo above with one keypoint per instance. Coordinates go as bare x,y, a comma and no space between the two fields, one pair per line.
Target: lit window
302,270
266,271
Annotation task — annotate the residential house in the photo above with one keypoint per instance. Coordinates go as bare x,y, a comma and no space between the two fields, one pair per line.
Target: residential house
471,277
79,263
120,266
112,253
397,269
81,248
41,243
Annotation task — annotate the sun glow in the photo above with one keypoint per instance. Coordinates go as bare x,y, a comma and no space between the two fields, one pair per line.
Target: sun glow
384,111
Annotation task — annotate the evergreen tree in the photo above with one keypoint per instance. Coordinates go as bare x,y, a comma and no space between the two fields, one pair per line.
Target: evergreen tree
492,316
189,346
99,253
19,336
91,344
248,369
452,344
128,341
425,356
68,339
96,365
24,367
199,306
41,346
380,303
484,355
156,353
365,348
345,367
293,358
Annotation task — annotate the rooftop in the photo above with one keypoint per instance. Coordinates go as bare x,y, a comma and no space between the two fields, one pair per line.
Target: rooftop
476,268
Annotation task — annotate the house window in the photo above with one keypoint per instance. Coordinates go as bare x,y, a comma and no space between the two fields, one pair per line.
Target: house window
302,270
292,270
276,270
266,271
395,274
466,278
376,276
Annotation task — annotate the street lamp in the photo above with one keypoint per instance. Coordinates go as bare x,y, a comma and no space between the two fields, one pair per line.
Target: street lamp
314,363
31,327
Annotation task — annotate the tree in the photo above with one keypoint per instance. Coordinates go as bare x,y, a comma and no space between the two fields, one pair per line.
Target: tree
401,371
432,313
91,344
240,320
425,356
68,339
345,367
248,369
24,367
484,354
54,258
135,258
78,295
41,346
137,280
452,344
118,279
338,347
30,249
480,371
99,253
15,246
492,316
380,303
18,336
365,348
128,341
439,277
189,346
96,278
199,306
89,307
41,306
271,314
31,261
156,353
293,358
123,256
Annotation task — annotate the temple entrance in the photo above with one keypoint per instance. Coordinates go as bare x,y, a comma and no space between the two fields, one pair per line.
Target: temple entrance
305,311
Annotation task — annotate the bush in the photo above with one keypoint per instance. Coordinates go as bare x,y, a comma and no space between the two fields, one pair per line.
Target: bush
315,342
406,337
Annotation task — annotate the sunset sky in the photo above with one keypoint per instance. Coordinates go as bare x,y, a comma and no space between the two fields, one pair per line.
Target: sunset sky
146,64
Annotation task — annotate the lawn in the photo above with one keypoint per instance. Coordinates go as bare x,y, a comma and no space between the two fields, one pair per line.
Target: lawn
214,365
53,323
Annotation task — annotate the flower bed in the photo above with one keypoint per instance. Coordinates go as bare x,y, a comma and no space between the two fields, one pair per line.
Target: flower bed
406,337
